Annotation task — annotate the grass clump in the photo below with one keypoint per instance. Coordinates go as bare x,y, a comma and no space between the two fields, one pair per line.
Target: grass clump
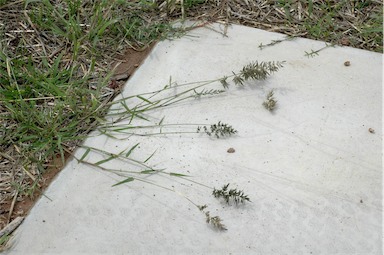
55,66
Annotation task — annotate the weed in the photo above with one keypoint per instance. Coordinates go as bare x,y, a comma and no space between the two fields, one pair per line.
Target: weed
158,99
149,101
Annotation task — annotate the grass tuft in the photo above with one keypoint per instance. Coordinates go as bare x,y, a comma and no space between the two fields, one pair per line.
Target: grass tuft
55,66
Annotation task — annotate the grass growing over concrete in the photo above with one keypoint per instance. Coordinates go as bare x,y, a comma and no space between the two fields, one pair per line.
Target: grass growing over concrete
55,64
123,126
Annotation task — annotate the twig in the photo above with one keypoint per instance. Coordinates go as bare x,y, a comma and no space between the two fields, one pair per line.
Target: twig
12,206
37,33
11,226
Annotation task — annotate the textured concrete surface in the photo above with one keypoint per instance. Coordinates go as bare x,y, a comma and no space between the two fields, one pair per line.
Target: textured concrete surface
312,168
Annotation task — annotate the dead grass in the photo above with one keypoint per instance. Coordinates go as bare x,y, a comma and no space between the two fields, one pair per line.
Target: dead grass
347,23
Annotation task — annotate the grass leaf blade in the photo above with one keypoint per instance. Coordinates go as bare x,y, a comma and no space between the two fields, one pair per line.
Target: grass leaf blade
131,150
85,154
105,160
129,179
144,99
149,171
178,175
150,157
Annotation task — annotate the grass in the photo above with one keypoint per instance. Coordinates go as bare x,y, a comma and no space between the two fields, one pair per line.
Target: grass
131,110
357,24
50,61
55,65
56,62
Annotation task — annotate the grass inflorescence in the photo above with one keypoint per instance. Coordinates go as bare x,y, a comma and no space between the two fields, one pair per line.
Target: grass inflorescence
218,130
270,101
215,221
255,71
231,195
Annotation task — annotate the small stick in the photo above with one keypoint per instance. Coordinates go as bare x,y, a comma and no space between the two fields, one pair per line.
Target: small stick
11,226
12,206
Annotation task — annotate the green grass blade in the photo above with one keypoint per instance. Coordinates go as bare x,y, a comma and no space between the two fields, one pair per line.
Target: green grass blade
144,99
131,150
150,171
310,8
129,179
59,145
161,121
150,157
85,154
178,175
105,160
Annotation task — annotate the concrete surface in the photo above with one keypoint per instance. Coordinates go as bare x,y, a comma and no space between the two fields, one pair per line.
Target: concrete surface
312,169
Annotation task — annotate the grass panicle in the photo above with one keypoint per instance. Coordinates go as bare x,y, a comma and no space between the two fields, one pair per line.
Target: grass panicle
230,195
256,71
216,222
218,130
270,101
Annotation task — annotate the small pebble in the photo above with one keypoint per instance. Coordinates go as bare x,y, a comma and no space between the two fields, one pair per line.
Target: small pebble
231,150
371,130
347,63
344,41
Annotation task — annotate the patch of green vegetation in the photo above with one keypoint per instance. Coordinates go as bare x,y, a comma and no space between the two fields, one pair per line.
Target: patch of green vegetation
192,3
324,26
350,23
54,72
4,239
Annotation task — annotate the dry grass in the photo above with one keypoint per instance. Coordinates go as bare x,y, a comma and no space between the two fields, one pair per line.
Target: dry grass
349,23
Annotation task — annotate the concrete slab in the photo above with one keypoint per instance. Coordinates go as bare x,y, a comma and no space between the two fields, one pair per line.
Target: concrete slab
312,168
